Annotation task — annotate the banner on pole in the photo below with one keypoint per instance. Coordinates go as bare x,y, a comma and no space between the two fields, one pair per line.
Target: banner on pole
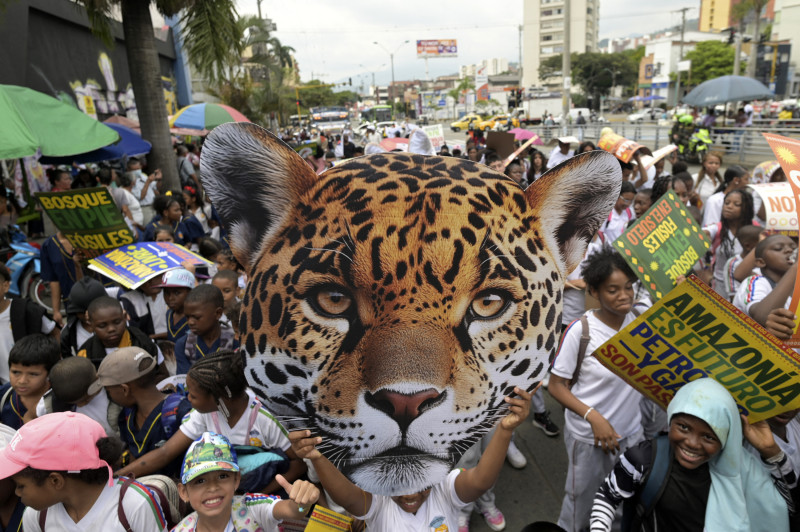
88,218
135,264
663,244
437,48
693,333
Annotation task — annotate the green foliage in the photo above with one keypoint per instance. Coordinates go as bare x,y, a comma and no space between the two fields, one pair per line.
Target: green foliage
212,37
710,59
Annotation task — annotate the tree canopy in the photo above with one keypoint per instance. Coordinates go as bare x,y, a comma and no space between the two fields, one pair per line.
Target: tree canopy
710,59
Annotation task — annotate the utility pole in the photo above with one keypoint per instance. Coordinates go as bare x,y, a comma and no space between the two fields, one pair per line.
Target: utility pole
391,59
566,68
519,67
683,11
258,3
737,59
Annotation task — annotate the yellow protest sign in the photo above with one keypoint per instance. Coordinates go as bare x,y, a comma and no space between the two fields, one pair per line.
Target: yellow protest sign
693,333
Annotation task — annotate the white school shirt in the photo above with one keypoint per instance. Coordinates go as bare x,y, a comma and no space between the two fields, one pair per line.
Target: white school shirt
752,290
712,211
597,386
616,223
556,157
439,512
140,510
255,427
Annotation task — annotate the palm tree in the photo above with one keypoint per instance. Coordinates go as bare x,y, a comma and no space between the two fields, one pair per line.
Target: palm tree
208,38
463,86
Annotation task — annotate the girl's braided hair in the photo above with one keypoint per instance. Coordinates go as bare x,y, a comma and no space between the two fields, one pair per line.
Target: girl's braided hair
221,374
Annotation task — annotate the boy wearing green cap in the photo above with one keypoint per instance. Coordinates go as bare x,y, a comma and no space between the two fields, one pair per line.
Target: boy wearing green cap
209,479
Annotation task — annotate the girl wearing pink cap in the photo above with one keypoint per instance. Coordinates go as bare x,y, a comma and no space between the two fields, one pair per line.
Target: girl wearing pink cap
67,485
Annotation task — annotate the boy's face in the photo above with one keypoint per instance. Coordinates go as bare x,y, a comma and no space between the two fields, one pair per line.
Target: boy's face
34,495
211,494
692,440
119,395
748,245
201,317
174,298
411,503
109,325
151,288
777,255
201,400
641,203
28,381
227,287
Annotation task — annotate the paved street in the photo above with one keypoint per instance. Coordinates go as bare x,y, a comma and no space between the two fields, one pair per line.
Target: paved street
535,492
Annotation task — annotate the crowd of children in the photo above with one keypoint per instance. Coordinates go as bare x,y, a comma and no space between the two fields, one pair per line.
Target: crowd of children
95,401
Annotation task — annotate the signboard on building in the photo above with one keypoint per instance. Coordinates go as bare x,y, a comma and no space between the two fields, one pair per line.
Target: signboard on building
437,48
481,84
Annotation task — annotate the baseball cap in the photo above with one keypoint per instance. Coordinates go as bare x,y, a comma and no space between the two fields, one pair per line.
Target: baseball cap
123,365
210,452
83,292
61,441
180,278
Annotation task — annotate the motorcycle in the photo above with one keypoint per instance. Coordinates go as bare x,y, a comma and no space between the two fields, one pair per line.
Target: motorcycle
24,263
699,145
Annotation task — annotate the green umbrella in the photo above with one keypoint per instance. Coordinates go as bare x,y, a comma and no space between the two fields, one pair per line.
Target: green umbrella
30,120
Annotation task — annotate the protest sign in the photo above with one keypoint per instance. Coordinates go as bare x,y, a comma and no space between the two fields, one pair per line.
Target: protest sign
788,153
436,134
88,218
622,148
663,244
780,213
133,265
693,333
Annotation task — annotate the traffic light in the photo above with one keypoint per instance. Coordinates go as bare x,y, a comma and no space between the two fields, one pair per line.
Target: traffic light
350,81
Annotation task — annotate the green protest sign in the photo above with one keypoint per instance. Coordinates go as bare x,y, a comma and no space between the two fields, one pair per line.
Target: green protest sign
662,245
88,218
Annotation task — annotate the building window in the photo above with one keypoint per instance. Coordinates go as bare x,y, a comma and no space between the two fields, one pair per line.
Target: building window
588,10
547,37
547,12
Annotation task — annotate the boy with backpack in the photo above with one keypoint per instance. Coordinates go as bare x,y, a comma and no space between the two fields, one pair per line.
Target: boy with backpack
149,417
207,334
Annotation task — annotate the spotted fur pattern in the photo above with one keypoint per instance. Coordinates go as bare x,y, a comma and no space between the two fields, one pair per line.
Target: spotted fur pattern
395,300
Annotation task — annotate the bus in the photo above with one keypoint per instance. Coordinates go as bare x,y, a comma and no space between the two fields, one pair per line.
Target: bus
377,113
329,118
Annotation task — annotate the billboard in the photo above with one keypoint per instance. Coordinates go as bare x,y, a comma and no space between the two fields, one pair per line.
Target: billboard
437,48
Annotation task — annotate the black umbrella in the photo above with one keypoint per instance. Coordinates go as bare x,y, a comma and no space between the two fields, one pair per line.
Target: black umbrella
727,89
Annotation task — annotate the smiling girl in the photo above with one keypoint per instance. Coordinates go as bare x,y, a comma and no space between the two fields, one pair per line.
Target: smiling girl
712,482
602,412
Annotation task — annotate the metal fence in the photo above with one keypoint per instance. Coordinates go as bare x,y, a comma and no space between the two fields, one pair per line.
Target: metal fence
745,146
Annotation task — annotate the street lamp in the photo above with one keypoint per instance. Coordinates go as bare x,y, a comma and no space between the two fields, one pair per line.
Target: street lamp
391,59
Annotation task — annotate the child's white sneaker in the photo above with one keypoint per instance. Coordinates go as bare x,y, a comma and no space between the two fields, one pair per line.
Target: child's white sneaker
515,456
494,518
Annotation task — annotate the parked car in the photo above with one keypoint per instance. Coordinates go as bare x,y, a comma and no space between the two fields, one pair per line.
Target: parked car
465,121
645,115
490,123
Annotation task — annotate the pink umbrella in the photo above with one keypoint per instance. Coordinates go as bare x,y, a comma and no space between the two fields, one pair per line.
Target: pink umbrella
525,134
394,143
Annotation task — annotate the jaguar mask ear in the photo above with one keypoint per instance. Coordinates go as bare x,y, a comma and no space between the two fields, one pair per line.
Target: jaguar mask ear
573,199
253,178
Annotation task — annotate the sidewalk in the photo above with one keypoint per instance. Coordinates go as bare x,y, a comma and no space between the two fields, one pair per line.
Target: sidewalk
535,492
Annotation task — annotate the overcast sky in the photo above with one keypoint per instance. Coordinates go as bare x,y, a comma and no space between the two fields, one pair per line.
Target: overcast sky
333,40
